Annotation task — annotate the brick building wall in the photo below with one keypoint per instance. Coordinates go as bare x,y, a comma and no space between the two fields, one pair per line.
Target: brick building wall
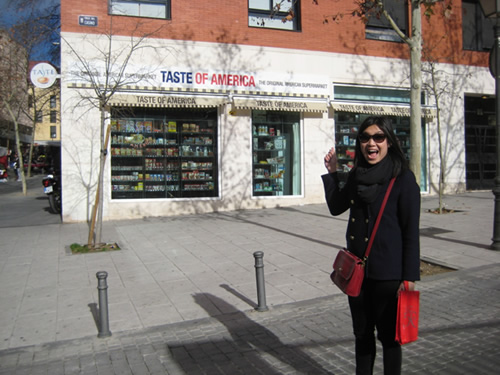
227,22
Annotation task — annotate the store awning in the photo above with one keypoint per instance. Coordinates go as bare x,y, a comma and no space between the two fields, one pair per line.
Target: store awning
47,143
137,100
381,109
281,104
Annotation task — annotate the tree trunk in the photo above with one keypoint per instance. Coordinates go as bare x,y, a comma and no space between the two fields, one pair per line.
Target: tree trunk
20,157
96,219
30,155
18,148
101,176
416,91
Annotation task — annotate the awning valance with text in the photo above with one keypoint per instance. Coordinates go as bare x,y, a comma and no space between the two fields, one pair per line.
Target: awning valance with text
281,104
381,110
137,100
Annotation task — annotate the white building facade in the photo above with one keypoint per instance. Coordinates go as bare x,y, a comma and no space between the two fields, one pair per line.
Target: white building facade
197,127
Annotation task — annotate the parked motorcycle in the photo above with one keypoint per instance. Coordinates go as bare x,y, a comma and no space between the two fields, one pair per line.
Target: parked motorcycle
52,188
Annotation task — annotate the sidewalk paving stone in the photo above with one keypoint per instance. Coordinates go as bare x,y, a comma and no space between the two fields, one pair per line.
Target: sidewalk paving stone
182,293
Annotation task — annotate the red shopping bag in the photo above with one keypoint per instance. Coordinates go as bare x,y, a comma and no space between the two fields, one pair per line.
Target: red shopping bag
407,318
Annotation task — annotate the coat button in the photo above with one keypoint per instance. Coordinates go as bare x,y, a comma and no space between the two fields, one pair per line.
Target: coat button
353,219
366,239
352,238
352,201
367,221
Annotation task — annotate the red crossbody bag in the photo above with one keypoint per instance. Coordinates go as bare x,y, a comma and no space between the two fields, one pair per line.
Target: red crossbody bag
348,269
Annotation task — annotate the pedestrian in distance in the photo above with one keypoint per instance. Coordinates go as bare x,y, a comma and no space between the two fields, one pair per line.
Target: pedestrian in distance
16,167
395,253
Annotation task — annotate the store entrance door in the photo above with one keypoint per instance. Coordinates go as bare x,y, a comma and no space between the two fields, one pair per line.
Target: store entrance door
480,143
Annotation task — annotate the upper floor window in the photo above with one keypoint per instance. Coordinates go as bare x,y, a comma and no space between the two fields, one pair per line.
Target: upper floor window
140,8
274,14
53,101
53,116
379,28
477,30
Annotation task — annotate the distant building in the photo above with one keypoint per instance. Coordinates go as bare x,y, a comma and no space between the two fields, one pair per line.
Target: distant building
45,104
13,92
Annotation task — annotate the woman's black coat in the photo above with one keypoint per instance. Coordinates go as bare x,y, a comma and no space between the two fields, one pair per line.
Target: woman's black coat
395,253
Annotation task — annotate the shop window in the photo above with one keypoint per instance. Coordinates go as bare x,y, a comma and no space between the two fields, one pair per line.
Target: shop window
276,154
477,30
379,28
371,94
274,14
140,8
164,153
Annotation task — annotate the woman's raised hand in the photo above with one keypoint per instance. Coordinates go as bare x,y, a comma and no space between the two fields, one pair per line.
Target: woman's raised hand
331,160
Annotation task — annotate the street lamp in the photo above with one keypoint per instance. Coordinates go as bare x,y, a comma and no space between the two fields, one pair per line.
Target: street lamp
491,9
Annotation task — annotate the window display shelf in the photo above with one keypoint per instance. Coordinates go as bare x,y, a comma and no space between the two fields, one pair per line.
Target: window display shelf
125,168
126,178
163,158
198,187
276,153
270,159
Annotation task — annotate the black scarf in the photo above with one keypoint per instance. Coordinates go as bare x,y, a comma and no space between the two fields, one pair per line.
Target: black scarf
369,178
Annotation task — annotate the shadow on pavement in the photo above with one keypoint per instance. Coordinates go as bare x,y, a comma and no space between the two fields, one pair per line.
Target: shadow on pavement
250,345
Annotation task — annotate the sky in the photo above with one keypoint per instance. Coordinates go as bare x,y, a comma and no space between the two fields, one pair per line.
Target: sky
6,17
9,17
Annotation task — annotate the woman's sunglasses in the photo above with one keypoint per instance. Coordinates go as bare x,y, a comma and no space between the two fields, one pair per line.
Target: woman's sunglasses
378,138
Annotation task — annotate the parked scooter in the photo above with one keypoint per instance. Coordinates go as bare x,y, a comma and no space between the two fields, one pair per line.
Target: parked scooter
52,187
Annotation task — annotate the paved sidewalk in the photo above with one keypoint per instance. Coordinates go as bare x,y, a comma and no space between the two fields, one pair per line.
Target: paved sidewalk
459,334
182,293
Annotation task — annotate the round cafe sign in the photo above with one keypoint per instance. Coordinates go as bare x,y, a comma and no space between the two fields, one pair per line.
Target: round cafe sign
43,75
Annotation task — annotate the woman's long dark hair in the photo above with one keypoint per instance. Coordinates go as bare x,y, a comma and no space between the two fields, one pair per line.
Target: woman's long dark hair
395,152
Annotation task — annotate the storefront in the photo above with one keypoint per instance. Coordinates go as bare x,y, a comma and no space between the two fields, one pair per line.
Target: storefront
180,150
193,135
199,141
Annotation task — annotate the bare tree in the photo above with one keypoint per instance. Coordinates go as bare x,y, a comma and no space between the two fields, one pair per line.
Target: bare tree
376,8
14,89
105,74
442,84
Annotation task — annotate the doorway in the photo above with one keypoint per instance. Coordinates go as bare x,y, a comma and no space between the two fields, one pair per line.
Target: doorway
480,142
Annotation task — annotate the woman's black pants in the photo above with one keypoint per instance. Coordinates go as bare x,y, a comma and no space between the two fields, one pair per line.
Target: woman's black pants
376,307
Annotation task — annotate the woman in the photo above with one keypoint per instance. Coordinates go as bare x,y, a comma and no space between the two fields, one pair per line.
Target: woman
395,253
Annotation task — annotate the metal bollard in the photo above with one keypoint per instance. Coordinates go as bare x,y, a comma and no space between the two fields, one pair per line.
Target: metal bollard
102,286
261,287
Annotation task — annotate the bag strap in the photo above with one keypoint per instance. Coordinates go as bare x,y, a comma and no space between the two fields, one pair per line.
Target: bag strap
379,217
